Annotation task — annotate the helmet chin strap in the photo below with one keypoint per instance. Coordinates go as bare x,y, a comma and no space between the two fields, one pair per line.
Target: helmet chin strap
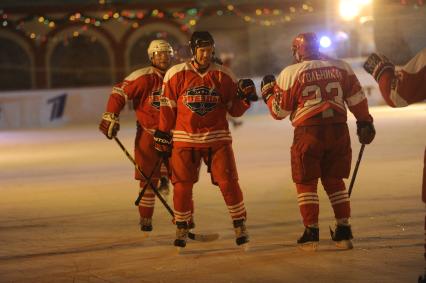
196,61
197,65
297,58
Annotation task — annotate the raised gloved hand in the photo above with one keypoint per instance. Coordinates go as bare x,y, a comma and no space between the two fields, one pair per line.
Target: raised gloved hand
365,131
267,87
376,64
109,125
247,90
163,143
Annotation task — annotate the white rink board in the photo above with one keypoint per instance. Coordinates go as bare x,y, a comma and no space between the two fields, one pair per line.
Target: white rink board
38,108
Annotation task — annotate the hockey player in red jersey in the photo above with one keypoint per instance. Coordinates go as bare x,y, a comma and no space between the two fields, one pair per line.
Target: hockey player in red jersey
143,87
313,93
197,95
401,87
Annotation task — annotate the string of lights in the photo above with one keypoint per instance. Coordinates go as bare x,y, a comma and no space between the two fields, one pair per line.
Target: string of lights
269,16
187,18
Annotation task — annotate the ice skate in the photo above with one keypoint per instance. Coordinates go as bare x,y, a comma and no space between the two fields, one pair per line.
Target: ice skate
309,240
181,235
342,236
191,226
146,226
164,188
241,234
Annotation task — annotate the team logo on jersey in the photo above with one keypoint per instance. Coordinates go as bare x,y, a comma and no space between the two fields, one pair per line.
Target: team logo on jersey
201,100
154,98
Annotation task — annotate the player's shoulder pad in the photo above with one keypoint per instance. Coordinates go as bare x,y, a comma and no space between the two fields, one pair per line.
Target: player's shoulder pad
176,69
343,65
331,62
417,63
288,76
338,63
139,73
223,69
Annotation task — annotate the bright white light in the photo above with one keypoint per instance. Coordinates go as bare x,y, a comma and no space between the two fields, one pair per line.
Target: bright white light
325,41
349,9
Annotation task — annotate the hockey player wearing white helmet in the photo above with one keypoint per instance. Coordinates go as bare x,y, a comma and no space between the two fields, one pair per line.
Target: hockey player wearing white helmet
143,88
160,53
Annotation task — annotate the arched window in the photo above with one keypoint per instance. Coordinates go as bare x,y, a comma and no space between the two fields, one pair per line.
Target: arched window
80,61
15,66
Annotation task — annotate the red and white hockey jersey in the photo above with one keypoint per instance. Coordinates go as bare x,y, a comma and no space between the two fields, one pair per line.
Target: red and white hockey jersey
143,87
194,105
407,85
315,92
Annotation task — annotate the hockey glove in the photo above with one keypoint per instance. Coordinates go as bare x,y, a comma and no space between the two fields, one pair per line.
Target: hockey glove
163,143
376,64
247,90
267,87
365,131
109,125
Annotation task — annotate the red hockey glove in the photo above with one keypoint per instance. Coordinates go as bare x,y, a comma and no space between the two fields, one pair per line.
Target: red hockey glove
267,87
109,125
247,90
365,131
163,143
376,64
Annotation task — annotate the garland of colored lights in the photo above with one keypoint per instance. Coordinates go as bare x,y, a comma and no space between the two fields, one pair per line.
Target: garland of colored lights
188,18
267,16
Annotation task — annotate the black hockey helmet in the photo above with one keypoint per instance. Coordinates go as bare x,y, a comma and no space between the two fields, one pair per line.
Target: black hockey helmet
200,39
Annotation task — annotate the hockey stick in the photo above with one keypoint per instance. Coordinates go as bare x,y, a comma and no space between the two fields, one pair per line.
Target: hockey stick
192,236
351,185
148,181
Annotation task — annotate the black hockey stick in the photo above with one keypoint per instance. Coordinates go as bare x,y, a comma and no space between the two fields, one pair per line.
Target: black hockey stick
148,181
351,185
193,236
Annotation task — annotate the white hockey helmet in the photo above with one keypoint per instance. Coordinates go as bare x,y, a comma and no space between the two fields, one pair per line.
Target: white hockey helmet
158,45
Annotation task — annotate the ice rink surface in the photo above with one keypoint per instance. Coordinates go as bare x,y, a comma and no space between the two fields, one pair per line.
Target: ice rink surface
67,212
